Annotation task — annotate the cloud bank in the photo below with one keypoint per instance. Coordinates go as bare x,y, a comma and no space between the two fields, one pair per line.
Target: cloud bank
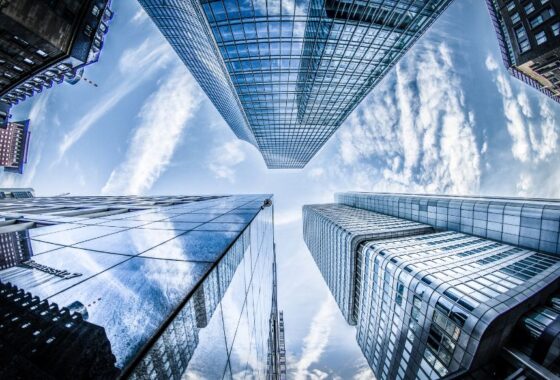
414,132
532,128
225,158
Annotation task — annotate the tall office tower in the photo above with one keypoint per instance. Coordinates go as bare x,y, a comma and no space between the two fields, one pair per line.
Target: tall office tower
286,74
138,287
47,42
454,288
276,361
14,143
333,233
529,38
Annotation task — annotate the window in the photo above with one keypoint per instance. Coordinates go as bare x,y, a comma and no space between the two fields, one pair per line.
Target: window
510,5
515,18
21,41
556,28
88,30
537,21
42,53
400,291
541,37
529,8
95,10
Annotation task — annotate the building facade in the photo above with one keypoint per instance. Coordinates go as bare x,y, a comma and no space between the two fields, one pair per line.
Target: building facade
528,223
451,299
333,233
284,74
276,361
14,144
529,38
173,286
43,43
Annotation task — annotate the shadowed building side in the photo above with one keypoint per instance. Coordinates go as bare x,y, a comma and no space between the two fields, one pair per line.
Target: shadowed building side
43,43
529,39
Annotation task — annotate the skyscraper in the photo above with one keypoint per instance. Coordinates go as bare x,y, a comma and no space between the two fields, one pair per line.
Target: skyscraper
14,143
529,38
286,74
47,42
169,286
276,362
444,286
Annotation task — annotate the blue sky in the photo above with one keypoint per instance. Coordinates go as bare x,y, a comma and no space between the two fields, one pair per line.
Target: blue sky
447,119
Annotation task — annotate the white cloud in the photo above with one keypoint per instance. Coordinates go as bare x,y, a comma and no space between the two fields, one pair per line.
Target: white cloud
316,172
284,218
163,118
534,135
364,373
315,342
414,132
225,158
139,17
135,65
491,63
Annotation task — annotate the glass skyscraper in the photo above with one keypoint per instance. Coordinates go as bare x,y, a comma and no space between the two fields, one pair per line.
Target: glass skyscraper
136,287
430,301
286,74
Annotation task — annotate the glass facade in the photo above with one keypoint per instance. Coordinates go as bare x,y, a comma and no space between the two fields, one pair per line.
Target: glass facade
431,302
442,302
333,232
298,68
528,223
171,286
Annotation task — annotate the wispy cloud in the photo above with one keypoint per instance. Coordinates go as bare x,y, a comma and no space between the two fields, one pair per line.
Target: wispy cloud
163,119
225,158
135,66
415,132
139,17
534,134
364,373
315,342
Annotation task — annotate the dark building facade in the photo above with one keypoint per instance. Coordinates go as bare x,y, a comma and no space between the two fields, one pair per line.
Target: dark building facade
162,287
14,248
444,287
40,340
529,37
14,144
47,42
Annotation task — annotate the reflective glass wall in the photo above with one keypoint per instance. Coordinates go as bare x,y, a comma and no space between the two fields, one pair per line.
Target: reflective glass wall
299,67
175,286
